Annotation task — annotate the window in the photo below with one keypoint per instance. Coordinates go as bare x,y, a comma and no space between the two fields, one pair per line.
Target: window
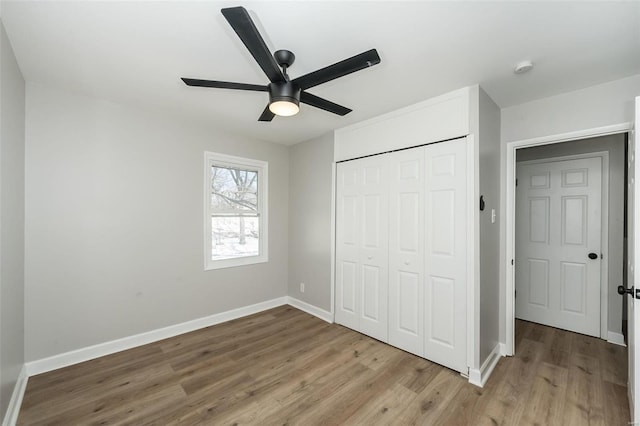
235,195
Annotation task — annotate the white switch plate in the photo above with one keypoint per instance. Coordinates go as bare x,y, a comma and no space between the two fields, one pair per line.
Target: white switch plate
493,215
301,287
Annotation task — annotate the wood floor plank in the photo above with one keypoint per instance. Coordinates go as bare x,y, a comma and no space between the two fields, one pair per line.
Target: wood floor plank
360,395
614,364
384,409
584,402
546,403
90,373
616,408
431,403
71,400
283,366
513,391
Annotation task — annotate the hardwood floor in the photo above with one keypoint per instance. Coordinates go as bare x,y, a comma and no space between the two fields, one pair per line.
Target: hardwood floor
284,366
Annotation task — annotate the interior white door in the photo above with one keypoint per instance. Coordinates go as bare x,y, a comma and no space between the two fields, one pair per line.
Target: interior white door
362,246
558,243
633,259
446,248
406,250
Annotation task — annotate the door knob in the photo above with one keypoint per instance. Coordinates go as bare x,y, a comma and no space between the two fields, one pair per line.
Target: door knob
593,256
623,291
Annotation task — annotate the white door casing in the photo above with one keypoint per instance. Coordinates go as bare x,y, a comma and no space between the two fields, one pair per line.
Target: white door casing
406,250
558,223
362,246
633,259
446,253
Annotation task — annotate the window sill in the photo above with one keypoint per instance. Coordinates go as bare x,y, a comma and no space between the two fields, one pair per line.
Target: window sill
232,263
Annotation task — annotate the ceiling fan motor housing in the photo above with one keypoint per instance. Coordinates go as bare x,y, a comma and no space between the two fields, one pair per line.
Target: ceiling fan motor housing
286,91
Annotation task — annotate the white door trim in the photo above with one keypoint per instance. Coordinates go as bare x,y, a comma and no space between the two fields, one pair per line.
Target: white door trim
334,184
604,228
511,203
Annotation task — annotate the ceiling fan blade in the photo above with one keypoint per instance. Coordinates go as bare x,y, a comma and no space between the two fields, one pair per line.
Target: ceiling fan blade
267,115
339,69
241,22
324,104
224,85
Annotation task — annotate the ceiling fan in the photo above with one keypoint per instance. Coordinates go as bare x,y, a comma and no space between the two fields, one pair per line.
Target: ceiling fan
285,94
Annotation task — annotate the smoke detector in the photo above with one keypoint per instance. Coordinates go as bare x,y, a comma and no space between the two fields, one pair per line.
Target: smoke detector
522,67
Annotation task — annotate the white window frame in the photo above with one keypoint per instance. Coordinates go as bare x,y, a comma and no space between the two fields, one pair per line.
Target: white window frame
262,167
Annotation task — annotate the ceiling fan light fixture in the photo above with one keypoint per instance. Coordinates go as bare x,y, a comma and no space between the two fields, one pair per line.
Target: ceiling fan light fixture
284,99
284,108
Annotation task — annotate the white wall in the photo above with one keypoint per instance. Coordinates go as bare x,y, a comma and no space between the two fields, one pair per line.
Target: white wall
114,223
614,145
310,171
596,106
12,100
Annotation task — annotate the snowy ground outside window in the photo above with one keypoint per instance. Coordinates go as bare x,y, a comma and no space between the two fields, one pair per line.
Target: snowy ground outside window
225,237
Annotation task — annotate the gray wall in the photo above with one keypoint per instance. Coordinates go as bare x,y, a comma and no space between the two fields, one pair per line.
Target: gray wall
596,106
310,180
114,223
489,169
614,145
12,100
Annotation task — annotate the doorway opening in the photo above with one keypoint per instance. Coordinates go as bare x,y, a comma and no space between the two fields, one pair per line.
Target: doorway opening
612,140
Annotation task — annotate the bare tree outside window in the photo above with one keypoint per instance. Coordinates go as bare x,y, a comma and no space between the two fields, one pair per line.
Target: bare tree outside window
235,214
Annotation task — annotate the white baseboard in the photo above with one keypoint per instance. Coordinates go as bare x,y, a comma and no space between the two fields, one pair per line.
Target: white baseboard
503,350
480,377
310,309
107,348
11,416
615,338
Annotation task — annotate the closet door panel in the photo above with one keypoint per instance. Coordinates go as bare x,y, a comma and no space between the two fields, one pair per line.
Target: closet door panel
374,248
446,253
406,249
348,211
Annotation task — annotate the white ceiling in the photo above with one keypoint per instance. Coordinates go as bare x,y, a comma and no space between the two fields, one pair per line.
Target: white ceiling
135,52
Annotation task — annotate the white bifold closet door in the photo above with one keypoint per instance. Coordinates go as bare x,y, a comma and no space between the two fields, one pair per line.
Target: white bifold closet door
406,250
362,245
417,199
446,256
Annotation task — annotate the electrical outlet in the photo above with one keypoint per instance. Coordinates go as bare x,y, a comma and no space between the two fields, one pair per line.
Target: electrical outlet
301,287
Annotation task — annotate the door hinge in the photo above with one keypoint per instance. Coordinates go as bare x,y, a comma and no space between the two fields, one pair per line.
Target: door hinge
516,182
511,261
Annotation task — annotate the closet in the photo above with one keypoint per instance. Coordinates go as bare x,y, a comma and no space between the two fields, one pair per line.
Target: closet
416,197
401,249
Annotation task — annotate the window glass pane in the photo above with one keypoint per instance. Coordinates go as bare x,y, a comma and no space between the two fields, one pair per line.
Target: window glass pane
234,236
234,189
